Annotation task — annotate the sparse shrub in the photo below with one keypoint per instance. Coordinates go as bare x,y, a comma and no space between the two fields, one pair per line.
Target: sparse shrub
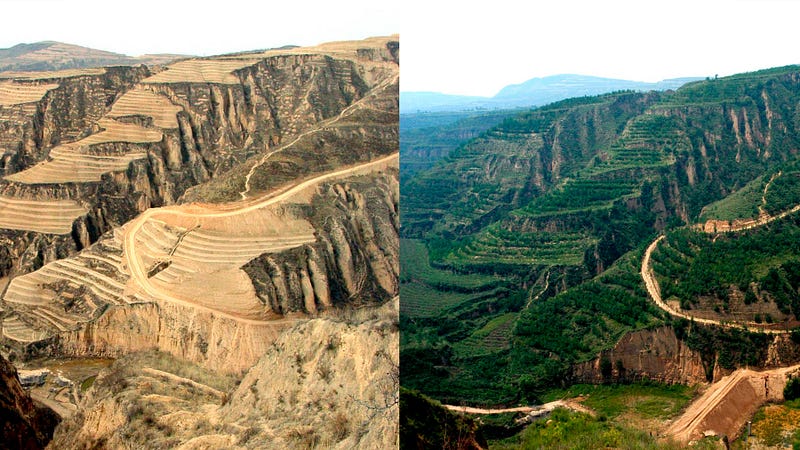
248,434
304,438
605,367
340,427
324,371
796,335
333,343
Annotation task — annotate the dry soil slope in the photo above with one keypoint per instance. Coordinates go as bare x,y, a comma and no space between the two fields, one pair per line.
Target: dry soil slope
323,384
179,270
727,404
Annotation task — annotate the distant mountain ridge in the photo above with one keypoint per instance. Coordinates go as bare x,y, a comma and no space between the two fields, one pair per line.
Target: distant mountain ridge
534,92
51,55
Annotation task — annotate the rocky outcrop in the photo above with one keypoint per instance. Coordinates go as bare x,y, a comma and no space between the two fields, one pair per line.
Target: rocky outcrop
354,260
23,424
646,354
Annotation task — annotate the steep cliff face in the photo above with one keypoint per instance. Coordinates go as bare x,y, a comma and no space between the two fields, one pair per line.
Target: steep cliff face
659,355
647,354
354,259
23,424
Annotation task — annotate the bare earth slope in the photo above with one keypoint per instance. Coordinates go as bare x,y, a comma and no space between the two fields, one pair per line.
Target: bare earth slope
307,223
727,404
323,384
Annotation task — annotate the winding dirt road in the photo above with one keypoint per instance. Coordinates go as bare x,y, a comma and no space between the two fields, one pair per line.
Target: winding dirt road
138,270
531,411
319,127
655,293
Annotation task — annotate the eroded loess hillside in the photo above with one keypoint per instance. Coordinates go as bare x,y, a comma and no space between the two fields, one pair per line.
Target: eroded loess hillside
201,208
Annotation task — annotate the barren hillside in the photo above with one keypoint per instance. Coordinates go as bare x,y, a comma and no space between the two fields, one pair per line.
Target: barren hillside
199,209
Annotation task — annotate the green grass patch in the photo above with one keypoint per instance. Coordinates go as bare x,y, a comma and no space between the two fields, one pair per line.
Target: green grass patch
741,204
87,383
570,430
648,400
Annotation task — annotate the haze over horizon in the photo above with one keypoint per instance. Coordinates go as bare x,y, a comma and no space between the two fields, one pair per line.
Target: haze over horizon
480,50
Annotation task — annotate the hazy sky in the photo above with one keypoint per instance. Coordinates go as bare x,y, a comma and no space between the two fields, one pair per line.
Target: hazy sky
451,46
198,27
477,50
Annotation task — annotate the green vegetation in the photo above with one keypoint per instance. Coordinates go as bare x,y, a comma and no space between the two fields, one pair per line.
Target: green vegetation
775,426
424,423
580,196
497,247
792,389
761,264
741,204
428,137
646,400
571,430
784,192
428,291
425,301
416,267
492,337
560,202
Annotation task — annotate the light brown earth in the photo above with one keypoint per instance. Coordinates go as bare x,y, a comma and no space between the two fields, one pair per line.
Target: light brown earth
531,411
727,404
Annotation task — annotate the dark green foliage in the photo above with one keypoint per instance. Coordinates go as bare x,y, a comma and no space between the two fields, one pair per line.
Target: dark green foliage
567,196
764,260
792,389
784,193
729,347
425,424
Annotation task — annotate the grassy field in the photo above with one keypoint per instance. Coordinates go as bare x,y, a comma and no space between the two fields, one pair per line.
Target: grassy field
570,430
627,416
644,400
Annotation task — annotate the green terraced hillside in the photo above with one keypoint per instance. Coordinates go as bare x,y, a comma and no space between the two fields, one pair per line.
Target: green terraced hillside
549,213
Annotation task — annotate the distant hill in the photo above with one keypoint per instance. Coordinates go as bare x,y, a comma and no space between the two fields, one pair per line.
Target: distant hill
534,92
50,55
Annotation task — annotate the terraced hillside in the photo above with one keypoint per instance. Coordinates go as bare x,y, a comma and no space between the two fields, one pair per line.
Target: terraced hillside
118,140
299,217
561,202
